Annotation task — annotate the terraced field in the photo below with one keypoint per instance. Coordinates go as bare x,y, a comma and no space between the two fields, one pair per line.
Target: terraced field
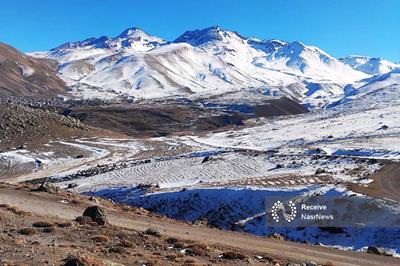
185,171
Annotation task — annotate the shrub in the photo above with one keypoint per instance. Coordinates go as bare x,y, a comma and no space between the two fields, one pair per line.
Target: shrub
64,224
83,219
153,232
27,231
48,229
42,224
232,255
126,244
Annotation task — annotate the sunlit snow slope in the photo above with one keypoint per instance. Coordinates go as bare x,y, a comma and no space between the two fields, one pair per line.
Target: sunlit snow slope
207,62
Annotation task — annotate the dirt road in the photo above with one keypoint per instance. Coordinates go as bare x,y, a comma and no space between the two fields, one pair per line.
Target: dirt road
49,205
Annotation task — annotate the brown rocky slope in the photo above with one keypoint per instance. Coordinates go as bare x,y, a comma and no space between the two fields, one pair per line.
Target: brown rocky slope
21,125
23,76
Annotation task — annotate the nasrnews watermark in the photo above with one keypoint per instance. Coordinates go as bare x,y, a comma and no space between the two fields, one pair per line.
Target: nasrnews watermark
330,211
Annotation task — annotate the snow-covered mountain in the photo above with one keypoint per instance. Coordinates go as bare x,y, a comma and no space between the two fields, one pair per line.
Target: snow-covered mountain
292,58
379,90
369,65
129,41
198,63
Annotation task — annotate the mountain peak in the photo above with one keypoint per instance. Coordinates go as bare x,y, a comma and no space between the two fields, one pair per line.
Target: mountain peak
199,37
215,27
132,32
207,35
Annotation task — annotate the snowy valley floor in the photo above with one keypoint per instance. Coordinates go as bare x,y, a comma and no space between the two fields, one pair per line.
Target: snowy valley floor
223,178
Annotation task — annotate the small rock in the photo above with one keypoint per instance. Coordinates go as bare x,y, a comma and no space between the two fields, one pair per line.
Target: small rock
82,261
276,236
118,250
21,147
384,127
311,263
72,185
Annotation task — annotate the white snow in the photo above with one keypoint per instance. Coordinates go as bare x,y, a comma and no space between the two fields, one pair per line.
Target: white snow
354,129
27,71
207,62
370,65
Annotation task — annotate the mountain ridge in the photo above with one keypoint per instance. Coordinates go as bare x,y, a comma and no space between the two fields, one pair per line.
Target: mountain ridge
370,65
201,62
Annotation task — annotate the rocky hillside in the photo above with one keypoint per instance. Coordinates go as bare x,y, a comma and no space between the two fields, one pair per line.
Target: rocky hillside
21,124
28,77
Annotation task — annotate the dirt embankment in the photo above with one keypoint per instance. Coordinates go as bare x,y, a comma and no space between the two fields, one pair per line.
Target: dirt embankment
385,184
126,241
39,237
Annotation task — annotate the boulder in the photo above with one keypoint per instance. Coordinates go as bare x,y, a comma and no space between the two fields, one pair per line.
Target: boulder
153,232
320,171
206,159
49,188
97,214
376,251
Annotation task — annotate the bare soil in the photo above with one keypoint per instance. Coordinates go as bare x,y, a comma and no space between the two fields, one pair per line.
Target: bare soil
125,240
42,83
153,119
386,183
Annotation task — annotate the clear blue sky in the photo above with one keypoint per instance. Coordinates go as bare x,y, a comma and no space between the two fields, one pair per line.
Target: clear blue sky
340,27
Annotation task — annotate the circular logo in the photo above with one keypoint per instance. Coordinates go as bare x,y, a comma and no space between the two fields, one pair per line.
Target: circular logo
288,213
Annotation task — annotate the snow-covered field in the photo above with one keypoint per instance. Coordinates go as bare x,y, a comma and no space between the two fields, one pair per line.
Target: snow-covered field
242,209
63,157
228,169
371,132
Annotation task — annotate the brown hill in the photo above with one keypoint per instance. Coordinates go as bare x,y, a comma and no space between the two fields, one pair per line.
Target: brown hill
24,125
28,77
